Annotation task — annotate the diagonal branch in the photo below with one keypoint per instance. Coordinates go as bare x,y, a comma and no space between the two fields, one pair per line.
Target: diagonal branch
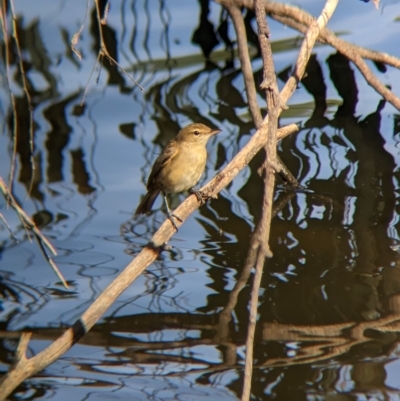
20,371
44,244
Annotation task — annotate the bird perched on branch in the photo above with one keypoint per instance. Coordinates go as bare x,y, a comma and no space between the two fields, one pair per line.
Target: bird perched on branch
179,167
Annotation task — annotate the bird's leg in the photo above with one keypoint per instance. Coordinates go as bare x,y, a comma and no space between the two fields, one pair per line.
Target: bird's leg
171,215
201,197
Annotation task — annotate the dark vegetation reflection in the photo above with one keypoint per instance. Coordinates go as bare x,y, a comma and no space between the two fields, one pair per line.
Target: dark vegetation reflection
331,290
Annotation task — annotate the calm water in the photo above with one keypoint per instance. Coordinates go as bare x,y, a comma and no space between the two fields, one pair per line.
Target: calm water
328,327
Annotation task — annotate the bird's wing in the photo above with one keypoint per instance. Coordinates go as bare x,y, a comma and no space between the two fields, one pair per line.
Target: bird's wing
169,152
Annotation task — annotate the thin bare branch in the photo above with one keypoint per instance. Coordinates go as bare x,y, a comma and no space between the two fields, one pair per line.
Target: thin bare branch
29,224
233,7
301,20
103,48
275,103
28,98
76,36
103,52
306,48
8,227
245,63
4,27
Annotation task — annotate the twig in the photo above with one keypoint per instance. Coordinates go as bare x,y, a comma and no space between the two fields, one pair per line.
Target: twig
49,260
243,51
233,7
273,101
76,36
354,54
30,225
8,227
250,261
25,219
301,20
28,99
89,79
306,47
103,48
3,18
103,52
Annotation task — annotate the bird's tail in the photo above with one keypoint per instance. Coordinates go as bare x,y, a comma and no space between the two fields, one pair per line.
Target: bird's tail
147,202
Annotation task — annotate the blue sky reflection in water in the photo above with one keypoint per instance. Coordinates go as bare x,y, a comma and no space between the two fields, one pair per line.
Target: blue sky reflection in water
330,295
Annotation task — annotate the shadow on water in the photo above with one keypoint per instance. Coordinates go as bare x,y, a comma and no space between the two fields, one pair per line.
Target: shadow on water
328,313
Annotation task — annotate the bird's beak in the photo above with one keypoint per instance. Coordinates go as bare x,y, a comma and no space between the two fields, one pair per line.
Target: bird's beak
216,131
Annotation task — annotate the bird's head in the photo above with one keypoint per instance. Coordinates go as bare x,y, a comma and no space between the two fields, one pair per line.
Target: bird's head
196,133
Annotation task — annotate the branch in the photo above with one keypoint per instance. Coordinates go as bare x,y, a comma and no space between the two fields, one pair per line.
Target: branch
305,51
29,224
103,48
7,52
233,7
275,104
243,51
148,254
301,20
28,99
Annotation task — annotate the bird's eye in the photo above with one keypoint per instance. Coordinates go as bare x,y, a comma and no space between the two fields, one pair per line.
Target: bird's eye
196,133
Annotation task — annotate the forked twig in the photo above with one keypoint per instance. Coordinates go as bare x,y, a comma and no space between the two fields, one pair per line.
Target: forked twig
103,52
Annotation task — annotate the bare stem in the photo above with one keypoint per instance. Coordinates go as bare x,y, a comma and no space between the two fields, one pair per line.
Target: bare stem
29,224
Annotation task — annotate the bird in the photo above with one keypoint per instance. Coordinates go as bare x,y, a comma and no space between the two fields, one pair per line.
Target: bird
178,168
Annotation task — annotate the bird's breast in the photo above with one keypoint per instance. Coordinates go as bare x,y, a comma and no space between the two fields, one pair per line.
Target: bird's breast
184,170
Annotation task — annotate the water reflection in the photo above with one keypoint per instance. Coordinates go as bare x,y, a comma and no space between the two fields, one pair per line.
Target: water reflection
328,314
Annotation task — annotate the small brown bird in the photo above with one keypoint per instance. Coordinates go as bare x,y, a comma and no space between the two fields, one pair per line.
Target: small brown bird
179,166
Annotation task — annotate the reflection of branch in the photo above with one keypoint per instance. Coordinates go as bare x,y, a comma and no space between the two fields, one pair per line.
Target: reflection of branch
315,343
222,327
331,340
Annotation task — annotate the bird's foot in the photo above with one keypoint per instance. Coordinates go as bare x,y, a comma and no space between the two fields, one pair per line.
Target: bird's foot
201,196
173,216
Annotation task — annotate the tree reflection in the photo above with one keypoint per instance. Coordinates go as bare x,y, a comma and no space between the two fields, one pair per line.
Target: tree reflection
329,297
